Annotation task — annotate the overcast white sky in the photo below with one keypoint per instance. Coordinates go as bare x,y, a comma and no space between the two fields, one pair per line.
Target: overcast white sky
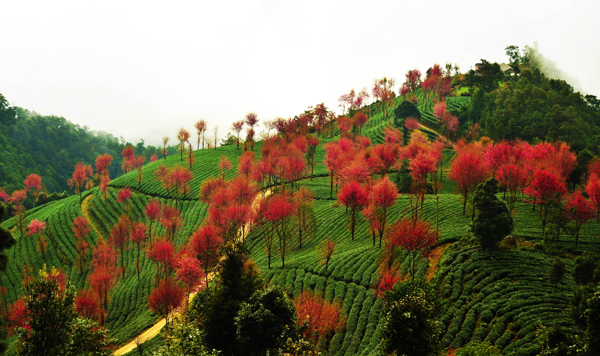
143,69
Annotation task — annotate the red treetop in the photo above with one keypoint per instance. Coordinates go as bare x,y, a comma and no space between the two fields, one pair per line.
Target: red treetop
5,197
384,193
411,123
87,304
360,119
33,181
422,165
81,227
18,196
352,195
579,208
205,239
189,271
102,163
104,256
163,253
124,195
279,207
128,153
439,109
120,232
166,297
545,186
35,227
592,188
468,170
153,209
321,317
414,237
19,316
138,234
225,163
251,119
183,135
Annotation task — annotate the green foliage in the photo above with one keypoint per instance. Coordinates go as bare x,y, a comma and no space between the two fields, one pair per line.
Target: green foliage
478,349
403,178
556,272
493,220
50,146
409,328
533,107
185,339
585,268
54,328
265,321
216,309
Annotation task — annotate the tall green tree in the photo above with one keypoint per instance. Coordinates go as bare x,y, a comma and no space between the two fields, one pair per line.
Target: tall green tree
265,321
493,220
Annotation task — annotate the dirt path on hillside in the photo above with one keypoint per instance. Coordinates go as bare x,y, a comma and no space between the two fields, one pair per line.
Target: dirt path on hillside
434,260
156,328
446,140
84,210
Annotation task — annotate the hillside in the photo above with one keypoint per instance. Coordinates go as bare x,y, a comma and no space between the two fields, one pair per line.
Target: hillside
50,146
500,300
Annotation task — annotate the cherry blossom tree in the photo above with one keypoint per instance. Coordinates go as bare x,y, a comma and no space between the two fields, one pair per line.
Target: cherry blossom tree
201,128
580,211
165,298
81,229
183,136
354,197
138,237
82,175
33,182
206,244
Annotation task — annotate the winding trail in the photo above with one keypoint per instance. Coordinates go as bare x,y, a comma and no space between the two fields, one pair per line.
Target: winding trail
157,327
84,210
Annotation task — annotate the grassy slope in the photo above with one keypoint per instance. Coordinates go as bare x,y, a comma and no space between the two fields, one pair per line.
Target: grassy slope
489,300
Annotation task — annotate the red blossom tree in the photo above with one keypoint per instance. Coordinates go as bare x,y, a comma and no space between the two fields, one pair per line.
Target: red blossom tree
128,158
580,211
592,188
119,235
415,237
189,271
206,244
354,197
81,229
124,197
183,136
103,161
103,277
326,250
33,182
279,212
321,318
224,165
237,127
170,218
162,253
165,298
152,213
467,170
138,163
420,167
138,236
513,178
18,316
544,189
104,184
87,305
82,174
381,197
251,121
201,128
360,119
